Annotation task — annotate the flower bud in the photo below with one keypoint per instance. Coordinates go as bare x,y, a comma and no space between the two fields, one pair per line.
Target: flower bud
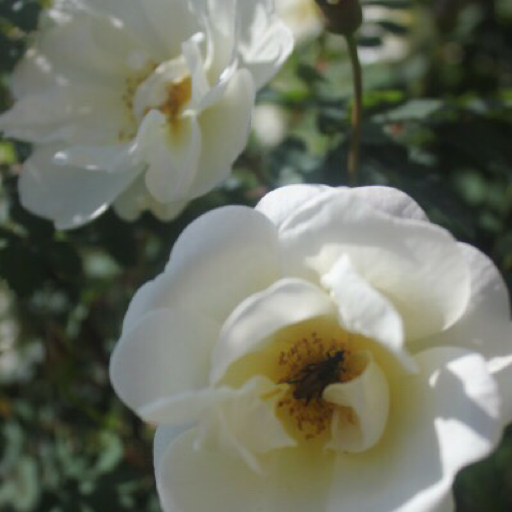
341,16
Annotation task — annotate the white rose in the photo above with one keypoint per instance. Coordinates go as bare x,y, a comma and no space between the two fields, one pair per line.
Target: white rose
329,351
140,103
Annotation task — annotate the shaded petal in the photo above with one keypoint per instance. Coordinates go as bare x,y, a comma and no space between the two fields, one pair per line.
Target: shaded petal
368,398
136,198
172,21
249,327
164,436
265,42
441,420
224,128
172,155
291,480
416,265
486,326
363,310
229,253
166,353
69,196
83,114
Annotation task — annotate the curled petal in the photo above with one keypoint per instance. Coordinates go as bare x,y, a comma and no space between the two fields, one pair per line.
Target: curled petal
365,311
367,397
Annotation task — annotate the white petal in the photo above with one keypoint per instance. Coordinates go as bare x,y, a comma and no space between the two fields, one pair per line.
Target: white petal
172,21
440,421
391,201
416,265
364,310
83,114
224,128
291,481
166,353
265,42
280,203
219,260
172,155
68,196
486,326
251,324
368,397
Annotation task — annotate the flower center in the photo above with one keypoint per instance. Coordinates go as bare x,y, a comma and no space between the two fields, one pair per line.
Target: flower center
310,364
303,360
178,95
168,88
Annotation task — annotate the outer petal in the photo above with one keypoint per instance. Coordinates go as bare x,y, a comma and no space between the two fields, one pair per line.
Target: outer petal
486,326
230,253
364,310
418,266
282,202
391,201
443,419
251,324
224,128
292,481
68,196
165,354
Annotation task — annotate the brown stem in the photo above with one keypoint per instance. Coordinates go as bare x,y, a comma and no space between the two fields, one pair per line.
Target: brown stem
357,108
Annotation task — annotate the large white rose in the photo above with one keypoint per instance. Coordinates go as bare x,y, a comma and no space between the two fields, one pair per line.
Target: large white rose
140,103
329,351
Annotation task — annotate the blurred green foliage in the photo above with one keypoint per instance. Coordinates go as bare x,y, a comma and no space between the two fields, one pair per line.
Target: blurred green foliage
437,124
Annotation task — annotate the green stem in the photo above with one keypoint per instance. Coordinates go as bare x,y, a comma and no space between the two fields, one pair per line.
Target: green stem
357,109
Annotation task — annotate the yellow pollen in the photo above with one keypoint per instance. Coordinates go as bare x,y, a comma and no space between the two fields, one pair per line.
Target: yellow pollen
179,93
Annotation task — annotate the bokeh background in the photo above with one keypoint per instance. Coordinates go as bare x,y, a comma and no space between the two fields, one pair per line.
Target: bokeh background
437,124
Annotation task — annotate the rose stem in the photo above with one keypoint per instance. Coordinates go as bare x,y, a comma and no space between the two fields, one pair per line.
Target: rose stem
357,108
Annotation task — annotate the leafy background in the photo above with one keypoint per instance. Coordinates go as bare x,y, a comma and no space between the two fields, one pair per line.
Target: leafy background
437,124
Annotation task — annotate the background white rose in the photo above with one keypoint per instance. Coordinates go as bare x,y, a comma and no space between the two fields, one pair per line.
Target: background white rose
210,348
143,104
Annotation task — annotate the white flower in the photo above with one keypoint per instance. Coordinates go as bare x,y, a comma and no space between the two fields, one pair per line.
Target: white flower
140,103
329,351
